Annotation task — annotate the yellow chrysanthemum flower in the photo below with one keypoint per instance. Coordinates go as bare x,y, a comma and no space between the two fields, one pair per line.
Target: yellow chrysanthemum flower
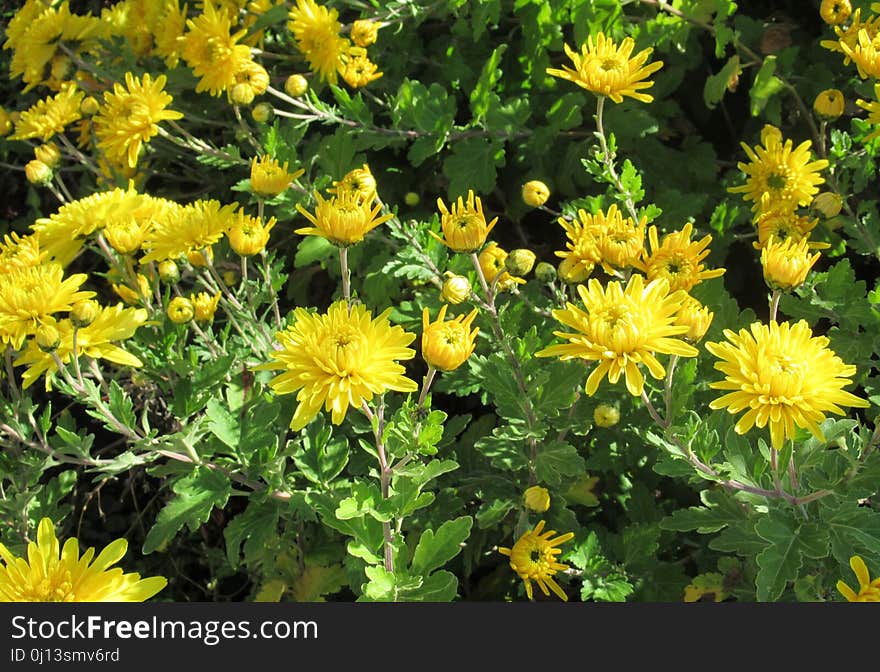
50,115
97,340
829,104
204,306
493,260
52,573
534,558
535,193
358,181
269,178
865,54
607,70
835,12
464,225
168,32
343,220
786,263
188,231
249,81
316,30
848,38
605,415
339,359
31,295
455,289
447,344
582,247
248,235
696,317
620,242
125,234
873,108
784,224
180,310
678,259
537,499
359,70
130,116
20,252
621,329
777,174
781,375
365,32
212,51
869,591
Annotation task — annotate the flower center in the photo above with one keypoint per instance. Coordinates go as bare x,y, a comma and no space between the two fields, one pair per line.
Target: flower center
776,181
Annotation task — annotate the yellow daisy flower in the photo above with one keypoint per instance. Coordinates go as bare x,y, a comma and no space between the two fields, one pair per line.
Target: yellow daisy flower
359,70
248,235
188,231
534,558
786,263
339,359
696,317
584,234
130,116
779,174
359,181
447,344
865,54
781,375
269,178
537,499
607,69
869,591
180,310
204,306
50,115
97,340
343,220
784,224
212,51
621,329
848,38
678,259
316,30
364,32
31,295
464,224
20,252
52,573
168,32
620,241
873,108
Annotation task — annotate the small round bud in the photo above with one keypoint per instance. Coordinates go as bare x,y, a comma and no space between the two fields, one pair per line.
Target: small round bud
242,94
48,154
835,12
262,113
38,173
296,85
89,106
537,499
364,32
456,288
229,277
47,337
535,193
180,310
411,198
83,313
124,235
520,262
545,272
829,104
169,272
828,203
5,122
606,415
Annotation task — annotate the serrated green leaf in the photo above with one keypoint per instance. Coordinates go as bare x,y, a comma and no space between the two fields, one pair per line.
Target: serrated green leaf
716,85
473,164
556,461
435,549
766,85
781,559
256,527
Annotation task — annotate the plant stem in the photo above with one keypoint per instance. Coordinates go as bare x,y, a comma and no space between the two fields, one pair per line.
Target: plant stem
378,422
426,385
774,304
609,161
346,282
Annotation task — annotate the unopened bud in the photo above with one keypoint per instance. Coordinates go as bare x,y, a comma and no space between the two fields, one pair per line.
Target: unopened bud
84,312
89,106
242,94
606,415
537,499
535,193
47,337
180,310
828,203
296,85
411,198
455,289
545,272
48,154
262,113
829,104
520,262
169,272
38,173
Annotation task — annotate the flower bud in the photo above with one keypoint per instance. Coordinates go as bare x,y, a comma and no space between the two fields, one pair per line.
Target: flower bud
48,154
5,122
606,415
38,173
537,499
829,104
447,344
47,337
262,113
411,198
229,277
89,106
242,94
786,263
456,288
296,85
828,203
696,317
83,313
535,193
124,235
545,272
204,306
180,310
835,12
201,258
364,32
169,272
520,262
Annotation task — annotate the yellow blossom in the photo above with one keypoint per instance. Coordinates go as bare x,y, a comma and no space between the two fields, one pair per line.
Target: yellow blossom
204,306
269,178
607,69
865,54
828,203
493,262
316,31
537,499
447,344
38,173
248,235
869,591
622,329
535,193
835,12
455,289
359,70
784,225
52,573
359,181
339,359
180,310
212,50
786,263
829,104
534,558
343,220
364,32
464,225
678,259
520,262
848,38
781,375
49,115
696,317
605,415
188,231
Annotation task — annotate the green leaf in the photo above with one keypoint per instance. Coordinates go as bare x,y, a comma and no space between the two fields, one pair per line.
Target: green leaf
256,527
780,561
223,424
381,586
311,249
766,85
435,549
556,461
196,496
440,586
716,85
485,85
322,457
472,164
492,512
121,406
